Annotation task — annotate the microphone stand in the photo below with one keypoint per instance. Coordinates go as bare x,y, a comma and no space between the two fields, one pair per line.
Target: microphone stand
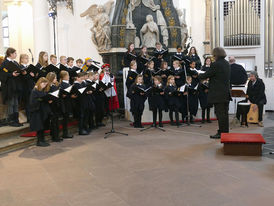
159,128
112,131
187,106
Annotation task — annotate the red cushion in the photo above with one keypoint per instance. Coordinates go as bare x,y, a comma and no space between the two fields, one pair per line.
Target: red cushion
242,138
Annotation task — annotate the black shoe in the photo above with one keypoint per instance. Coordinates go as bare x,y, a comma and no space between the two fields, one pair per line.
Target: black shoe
209,121
154,125
15,124
161,124
172,123
43,144
57,140
216,136
83,132
203,121
101,125
68,136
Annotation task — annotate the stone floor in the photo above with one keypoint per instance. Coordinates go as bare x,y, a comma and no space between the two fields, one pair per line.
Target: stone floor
179,167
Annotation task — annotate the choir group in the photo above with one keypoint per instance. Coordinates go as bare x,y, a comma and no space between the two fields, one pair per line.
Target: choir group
49,91
171,86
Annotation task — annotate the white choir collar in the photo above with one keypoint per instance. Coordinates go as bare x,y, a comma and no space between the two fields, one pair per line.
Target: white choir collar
66,81
11,60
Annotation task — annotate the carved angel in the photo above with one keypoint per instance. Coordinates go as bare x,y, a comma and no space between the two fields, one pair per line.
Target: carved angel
101,32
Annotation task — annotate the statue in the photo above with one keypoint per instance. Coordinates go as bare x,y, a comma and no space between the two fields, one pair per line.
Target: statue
184,30
150,32
150,4
131,7
101,32
163,26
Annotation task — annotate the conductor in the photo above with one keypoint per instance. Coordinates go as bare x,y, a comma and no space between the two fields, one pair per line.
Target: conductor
219,89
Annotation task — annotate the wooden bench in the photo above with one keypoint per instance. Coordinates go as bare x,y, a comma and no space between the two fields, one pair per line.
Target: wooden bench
242,144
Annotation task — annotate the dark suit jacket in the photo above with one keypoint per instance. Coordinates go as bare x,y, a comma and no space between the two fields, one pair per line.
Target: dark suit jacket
256,92
219,82
9,84
238,74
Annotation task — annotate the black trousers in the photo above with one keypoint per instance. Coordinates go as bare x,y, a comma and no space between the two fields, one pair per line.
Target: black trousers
54,127
154,112
261,109
176,111
221,111
65,124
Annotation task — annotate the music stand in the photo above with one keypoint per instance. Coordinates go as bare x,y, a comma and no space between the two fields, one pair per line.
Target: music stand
112,131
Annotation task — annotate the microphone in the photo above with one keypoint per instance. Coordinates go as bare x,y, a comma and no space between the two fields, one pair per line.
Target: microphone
32,59
95,62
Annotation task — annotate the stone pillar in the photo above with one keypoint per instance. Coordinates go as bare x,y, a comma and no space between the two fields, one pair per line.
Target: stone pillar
20,26
1,31
41,27
207,43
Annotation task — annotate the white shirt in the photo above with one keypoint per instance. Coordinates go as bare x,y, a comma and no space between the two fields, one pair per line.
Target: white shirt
66,81
110,92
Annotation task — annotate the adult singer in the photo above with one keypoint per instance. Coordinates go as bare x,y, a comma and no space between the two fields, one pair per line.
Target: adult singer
219,89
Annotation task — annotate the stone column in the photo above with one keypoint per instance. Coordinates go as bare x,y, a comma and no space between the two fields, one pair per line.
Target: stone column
1,31
41,27
207,43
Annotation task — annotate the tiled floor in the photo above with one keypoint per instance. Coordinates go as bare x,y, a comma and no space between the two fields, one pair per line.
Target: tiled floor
179,167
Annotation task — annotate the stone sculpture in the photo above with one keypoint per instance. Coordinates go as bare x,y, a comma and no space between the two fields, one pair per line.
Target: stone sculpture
150,32
101,31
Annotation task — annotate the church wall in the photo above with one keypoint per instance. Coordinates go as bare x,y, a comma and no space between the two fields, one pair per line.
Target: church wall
1,31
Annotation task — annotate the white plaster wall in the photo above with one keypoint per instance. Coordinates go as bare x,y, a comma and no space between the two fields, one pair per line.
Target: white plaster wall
1,32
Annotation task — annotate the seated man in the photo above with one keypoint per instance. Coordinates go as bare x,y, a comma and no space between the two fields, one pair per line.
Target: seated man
255,95
238,74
